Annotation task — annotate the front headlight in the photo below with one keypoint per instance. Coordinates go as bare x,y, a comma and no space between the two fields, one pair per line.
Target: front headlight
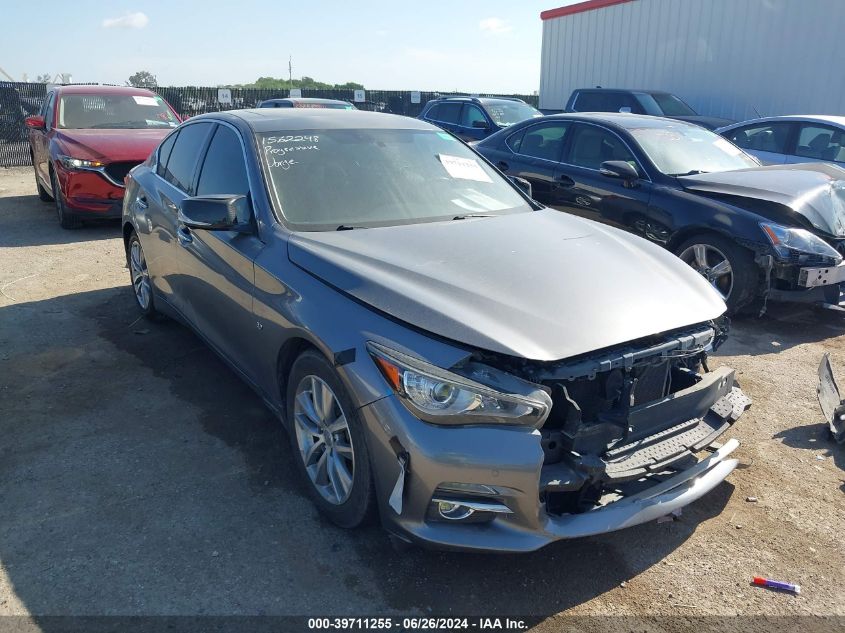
70,162
788,241
480,395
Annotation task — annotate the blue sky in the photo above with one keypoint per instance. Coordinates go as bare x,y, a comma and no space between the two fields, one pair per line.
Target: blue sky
471,45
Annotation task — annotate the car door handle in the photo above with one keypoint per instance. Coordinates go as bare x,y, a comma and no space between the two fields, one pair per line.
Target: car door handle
565,181
502,165
184,235
141,202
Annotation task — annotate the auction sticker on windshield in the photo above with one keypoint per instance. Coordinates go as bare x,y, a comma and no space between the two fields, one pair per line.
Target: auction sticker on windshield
463,168
147,101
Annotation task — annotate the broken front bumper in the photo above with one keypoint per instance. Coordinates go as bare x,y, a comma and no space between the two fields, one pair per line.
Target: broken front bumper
823,285
503,467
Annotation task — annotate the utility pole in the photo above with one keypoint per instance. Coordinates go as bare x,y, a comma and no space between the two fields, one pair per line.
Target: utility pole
290,69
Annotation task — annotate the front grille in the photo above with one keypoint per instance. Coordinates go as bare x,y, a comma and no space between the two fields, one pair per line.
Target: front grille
117,171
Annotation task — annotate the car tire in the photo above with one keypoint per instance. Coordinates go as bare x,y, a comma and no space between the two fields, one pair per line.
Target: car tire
707,254
43,194
139,276
328,442
67,220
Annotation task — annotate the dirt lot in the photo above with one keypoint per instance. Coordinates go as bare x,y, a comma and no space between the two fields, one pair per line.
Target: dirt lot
139,476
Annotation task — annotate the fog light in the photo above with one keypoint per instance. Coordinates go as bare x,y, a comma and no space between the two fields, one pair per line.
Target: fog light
453,511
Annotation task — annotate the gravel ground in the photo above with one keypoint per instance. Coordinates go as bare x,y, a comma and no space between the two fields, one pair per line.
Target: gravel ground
139,476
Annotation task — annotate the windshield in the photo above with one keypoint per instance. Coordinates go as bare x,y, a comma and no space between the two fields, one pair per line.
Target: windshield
506,113
342,178
682,149
115,111
666,105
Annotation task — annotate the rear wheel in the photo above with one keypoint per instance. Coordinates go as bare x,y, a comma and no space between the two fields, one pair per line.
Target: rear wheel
67,220
727,266
43,194
328,439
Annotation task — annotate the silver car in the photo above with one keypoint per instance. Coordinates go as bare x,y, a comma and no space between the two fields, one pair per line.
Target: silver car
792,139
481,372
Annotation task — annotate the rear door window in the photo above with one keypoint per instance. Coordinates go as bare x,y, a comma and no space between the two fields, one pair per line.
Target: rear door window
164,153
182,164
433,112
449,112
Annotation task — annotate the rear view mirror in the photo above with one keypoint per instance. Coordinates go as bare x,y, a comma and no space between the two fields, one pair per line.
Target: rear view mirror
618,169
522,184
625,109
216,213
481,125
34,122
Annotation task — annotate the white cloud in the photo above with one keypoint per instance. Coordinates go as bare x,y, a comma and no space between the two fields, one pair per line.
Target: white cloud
136,20
496,26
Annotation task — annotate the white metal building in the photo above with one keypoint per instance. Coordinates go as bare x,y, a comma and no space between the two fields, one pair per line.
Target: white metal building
728,58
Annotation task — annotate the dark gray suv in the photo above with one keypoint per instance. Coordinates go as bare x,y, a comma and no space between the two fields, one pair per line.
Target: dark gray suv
475,118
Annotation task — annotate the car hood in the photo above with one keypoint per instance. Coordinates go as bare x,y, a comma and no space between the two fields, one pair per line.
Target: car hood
110,145
815,191
710,122
541,285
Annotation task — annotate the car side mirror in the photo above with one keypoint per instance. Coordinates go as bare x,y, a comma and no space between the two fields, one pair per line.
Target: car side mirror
216,213
619,169
523,185
481,125
35,122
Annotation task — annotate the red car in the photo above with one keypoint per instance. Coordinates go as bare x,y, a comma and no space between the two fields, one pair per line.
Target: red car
84,141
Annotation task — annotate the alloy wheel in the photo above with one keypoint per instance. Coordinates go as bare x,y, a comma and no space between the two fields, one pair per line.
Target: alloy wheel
713,265
140,275
324,440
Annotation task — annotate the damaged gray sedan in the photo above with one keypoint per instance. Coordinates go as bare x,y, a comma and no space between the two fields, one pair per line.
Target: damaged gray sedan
481,372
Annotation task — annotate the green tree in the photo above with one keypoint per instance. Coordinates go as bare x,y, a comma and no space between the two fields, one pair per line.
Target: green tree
142,79
273,83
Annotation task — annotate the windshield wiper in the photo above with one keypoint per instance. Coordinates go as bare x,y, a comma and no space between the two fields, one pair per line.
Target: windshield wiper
472,215
692,172
347,227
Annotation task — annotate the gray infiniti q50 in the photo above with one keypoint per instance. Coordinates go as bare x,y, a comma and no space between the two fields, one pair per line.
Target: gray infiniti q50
481,372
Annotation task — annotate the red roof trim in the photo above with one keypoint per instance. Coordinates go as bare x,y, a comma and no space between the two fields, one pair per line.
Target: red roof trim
589,5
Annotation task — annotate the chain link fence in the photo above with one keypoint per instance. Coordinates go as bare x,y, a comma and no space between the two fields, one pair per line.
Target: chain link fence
19,100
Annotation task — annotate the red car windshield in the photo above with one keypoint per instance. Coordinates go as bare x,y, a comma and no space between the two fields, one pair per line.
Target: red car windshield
114,111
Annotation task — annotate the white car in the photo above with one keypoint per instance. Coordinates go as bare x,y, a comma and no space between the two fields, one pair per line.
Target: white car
791,139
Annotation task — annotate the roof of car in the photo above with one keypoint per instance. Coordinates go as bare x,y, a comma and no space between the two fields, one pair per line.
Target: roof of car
478,99
305,100
284,119
82,89
820,118
646,90
624,119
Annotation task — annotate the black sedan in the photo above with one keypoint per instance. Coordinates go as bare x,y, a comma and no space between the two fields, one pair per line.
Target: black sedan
754,232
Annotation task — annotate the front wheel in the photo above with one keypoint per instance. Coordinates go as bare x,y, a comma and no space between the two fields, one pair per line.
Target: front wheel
727,266
140,276
67,220
43,194
328,439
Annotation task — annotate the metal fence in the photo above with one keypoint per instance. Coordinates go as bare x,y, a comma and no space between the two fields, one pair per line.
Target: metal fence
19,100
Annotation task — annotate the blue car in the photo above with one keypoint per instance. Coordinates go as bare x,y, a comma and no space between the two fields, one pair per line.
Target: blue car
475,118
